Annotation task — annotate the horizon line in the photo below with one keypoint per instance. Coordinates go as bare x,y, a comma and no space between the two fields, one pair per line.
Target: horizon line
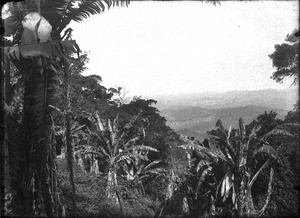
294,88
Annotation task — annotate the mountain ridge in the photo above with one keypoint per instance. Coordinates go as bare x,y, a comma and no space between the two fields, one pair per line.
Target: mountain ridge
194,114
271,98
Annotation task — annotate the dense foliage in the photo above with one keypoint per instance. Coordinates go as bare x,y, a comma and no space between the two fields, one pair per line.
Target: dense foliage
73,147
286,59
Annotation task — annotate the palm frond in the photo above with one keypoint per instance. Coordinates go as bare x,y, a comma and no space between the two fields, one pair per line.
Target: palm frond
225,153
104,152
253,132
126,158
75,128
252,135
59,13
99,136
224,146
99,121
156,171
227,183
136,156
278,132
202,180
87,8
269,150
202,163
288,125
152,164
143,148
68,12
198,148
131,141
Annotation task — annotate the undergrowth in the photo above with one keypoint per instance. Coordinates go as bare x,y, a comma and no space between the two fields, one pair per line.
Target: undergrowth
90,197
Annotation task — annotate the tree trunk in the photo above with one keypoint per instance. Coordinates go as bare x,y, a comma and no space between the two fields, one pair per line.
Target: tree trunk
245,202
170,190
111,184
37,144
244,199
249,209
112,191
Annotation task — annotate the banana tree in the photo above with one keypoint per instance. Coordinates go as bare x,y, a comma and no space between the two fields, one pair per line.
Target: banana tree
201,185
38,73
112,144
137,172
176,174
239,153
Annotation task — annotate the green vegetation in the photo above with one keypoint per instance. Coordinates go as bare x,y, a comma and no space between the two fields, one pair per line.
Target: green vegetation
73,147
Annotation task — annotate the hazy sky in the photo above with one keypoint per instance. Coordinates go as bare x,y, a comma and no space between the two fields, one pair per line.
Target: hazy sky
156,48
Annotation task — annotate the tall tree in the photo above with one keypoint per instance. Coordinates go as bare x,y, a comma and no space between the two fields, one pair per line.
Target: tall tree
286,59
158,134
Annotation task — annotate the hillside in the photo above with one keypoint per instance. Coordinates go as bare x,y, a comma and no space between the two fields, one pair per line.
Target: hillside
194,114
195,121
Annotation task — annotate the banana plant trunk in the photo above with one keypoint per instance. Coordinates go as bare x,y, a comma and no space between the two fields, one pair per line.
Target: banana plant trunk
112,191
246,207
111,185
245,201
39,179
171,186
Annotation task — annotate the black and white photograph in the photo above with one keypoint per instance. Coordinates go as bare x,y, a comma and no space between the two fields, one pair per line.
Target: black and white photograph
150,108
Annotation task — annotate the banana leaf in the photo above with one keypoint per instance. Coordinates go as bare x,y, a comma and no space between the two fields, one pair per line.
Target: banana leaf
47,49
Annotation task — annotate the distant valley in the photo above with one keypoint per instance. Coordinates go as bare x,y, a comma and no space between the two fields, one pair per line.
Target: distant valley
194,114
195,121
